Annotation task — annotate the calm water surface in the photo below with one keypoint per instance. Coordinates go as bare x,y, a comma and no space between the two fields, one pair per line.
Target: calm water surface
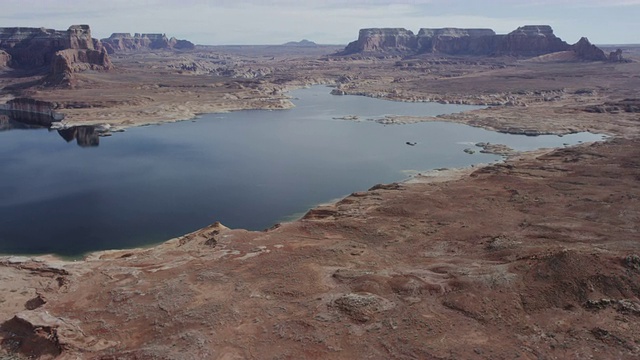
247,169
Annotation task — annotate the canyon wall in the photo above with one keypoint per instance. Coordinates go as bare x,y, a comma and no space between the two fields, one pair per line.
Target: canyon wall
389,39
126,42
38,47
528,41
57,53
525,41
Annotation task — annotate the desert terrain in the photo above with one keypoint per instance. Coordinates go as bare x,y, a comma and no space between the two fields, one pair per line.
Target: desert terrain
534,258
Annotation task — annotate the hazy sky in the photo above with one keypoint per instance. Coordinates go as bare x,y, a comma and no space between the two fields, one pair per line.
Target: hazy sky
328,22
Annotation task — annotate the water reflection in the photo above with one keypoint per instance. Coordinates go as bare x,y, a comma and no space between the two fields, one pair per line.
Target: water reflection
7,123
85,136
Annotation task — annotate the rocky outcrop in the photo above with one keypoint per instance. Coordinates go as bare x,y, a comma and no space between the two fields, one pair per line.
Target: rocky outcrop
37,47
32,47
126,42
67,62
58,53
614,56
529,40
615,107
5,58
587,51
387,40
525,41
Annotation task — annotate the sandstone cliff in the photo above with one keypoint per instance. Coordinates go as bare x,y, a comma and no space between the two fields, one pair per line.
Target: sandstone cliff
126,42
37,47
454,41
525,41
529,40
57,53
390,39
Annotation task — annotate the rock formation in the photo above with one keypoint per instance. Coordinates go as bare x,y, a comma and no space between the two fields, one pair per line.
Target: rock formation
614,56
529,40
454,40
85,136
59,53
525,41
37,47
301,43
126,42
389,39
69,61
5,58
587,51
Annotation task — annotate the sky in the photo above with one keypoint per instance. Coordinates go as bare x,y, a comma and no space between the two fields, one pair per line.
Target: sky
225,22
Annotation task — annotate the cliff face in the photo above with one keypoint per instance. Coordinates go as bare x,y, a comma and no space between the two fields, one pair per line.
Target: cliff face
585,50
126,42
525,41
37,47
5,58
390,39
31,47
530,40
454,40
69,61
60,53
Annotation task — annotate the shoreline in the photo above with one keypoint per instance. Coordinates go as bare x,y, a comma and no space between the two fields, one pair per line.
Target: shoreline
426,176
420,177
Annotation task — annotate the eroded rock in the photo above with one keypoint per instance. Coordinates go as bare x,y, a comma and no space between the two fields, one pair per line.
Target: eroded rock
362,307
525,41
125,42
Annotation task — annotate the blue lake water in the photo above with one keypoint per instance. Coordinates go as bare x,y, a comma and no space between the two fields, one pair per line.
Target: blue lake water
246,169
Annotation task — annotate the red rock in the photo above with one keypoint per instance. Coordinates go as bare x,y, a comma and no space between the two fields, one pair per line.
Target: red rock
59,53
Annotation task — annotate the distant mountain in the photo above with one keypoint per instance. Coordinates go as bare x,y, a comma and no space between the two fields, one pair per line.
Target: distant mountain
301,43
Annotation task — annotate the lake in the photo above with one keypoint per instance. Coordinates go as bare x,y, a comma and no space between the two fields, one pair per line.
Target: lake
246,169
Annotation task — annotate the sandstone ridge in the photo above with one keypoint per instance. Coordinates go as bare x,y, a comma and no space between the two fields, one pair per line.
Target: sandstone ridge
525,41
125,42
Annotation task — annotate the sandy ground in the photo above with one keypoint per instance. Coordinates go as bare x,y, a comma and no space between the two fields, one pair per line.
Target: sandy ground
535,258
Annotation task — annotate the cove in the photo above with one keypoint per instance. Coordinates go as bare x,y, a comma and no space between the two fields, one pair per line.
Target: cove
246,169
